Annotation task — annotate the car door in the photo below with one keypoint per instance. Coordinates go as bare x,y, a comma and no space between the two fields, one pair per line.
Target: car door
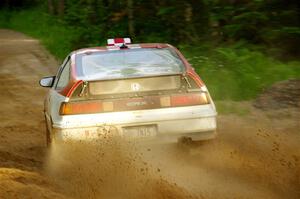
55,98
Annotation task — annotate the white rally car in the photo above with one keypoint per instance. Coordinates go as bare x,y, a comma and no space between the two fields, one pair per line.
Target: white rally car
146,91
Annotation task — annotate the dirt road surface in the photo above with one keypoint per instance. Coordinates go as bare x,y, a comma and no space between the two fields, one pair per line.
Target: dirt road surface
255,156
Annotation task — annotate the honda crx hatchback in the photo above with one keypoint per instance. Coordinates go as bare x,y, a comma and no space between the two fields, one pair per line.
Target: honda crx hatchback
141,91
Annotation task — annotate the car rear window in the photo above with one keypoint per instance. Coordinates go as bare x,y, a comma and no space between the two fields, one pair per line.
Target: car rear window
128,63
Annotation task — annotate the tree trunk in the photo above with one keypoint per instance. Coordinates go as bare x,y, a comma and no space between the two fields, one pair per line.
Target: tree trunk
130,18
61,8
51,7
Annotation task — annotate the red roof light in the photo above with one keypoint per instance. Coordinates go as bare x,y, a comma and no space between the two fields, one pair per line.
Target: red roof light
118,41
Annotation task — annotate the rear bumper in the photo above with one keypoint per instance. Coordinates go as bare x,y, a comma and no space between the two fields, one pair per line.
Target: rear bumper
198,123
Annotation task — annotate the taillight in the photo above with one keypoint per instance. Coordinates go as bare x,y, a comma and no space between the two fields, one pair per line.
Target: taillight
131,104
184,100
70,108
189,99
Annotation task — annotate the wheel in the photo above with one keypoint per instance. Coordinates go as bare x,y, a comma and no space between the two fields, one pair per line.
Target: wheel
184,145
48,134
48,137
185,141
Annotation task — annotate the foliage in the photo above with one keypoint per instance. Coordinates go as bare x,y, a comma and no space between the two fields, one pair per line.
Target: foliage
240,33
19,4
237,73
273,24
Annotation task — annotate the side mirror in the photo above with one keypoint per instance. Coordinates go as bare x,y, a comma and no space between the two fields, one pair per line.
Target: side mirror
47,81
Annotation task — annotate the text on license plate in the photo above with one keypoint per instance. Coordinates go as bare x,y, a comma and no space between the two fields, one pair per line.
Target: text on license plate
140,131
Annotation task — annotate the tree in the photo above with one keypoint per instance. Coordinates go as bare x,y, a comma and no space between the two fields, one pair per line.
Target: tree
50,7
61,8
130,18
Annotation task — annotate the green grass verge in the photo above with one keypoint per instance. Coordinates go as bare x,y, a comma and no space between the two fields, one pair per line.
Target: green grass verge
231,107
53,34
231,72
237,73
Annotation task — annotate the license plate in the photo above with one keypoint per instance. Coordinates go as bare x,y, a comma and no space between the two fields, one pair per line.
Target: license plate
140,131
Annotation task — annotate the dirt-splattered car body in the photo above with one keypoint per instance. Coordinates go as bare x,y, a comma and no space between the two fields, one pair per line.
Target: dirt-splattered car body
145,91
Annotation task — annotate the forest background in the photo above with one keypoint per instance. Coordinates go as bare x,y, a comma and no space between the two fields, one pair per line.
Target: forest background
239,47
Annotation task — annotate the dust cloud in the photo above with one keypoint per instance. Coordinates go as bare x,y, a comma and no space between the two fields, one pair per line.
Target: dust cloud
107,168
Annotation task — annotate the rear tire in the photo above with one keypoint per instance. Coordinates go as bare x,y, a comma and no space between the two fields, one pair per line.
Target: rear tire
185,141
184,145
48,135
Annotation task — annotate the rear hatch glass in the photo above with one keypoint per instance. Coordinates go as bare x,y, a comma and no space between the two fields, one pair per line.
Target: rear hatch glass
129,63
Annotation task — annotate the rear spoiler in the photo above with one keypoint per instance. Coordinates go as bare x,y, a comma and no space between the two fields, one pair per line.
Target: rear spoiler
134,77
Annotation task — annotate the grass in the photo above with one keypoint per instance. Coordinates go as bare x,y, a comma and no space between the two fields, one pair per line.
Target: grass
237,73
231,107
231,72
54,35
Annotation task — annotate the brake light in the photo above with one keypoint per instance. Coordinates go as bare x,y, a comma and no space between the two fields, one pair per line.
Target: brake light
150,102
189,100
70,108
